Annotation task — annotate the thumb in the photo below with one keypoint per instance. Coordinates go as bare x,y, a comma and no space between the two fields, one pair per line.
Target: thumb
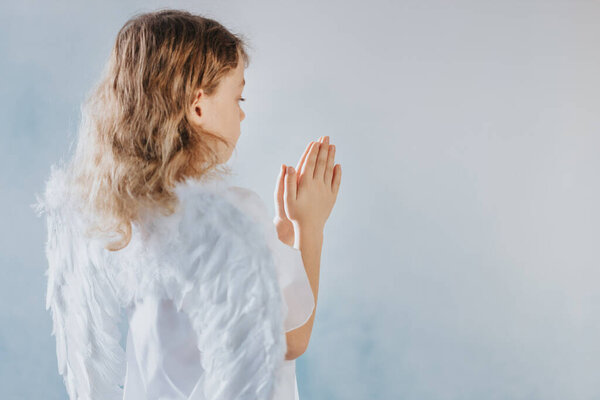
279,193
290,185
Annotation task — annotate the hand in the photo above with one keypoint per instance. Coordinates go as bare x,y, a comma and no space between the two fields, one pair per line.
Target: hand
283,225
310,197
302,161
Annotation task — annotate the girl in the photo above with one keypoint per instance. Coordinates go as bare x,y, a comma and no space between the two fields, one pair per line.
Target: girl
219,303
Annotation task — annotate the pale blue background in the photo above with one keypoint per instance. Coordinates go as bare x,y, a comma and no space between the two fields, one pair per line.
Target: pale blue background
462,258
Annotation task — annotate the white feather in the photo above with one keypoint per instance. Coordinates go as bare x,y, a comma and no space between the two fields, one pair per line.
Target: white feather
210,258
85,313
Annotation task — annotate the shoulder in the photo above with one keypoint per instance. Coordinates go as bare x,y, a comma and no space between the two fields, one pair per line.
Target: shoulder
249,202
219,199
210,210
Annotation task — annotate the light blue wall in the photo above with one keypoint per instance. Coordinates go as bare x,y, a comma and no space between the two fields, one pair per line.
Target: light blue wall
462,258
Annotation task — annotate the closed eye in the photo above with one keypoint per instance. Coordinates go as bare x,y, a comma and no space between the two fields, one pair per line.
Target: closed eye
242,99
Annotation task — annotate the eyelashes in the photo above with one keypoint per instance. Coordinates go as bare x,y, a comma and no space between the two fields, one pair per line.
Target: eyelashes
242,99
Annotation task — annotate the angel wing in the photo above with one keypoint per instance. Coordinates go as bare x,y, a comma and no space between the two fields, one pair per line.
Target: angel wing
299,301
231,294
85,313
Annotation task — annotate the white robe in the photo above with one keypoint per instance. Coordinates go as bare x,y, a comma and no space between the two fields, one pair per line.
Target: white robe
209,291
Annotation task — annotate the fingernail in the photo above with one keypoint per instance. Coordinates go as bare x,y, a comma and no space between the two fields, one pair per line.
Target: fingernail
290,170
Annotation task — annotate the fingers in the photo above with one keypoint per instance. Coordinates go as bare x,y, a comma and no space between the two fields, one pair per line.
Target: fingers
321,161
329,165
311,158
337,178
302,161
300,166
279,192
290,185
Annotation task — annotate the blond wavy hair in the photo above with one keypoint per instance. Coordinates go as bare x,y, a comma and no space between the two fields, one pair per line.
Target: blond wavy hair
134,141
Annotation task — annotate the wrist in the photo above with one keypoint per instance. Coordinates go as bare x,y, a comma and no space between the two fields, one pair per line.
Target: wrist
304,231
306,227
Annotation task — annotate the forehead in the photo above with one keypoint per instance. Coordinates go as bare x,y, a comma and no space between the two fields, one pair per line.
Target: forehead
234,80
240,68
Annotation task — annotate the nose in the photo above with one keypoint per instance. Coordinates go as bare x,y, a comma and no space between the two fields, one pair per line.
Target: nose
243,115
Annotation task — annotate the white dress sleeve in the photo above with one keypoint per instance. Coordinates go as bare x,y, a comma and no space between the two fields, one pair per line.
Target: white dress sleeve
85,312
299,302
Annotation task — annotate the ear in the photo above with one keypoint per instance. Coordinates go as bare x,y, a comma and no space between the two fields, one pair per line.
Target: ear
197,110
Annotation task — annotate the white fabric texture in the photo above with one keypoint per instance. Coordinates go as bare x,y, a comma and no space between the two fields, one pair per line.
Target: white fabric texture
209,291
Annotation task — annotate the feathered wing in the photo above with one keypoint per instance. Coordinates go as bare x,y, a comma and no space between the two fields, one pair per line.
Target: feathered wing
230,292
85,312
299,301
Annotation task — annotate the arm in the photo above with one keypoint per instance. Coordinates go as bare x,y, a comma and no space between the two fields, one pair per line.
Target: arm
306,200
310,243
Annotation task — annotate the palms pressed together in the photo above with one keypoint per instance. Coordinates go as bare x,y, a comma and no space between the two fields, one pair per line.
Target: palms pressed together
284,226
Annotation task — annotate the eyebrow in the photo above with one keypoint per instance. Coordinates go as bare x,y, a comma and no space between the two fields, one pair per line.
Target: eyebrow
243,82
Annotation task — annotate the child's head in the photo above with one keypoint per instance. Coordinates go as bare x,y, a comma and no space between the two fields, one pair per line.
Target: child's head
221,112
166,109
